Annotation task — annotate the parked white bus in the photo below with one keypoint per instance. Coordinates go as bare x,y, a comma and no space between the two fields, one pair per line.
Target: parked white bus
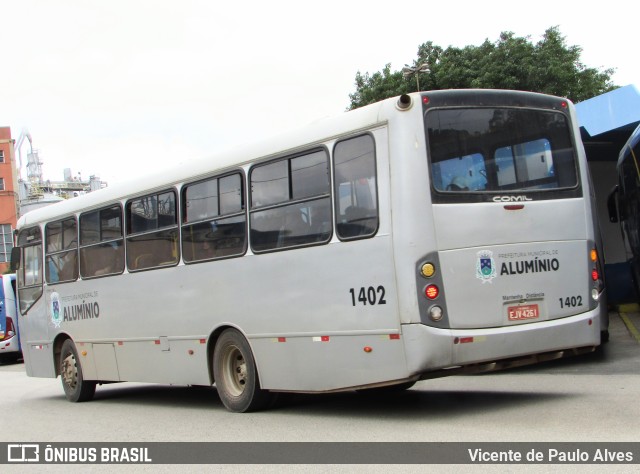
433,234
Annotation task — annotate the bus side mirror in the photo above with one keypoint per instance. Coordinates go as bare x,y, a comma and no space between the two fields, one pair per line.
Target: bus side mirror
15,259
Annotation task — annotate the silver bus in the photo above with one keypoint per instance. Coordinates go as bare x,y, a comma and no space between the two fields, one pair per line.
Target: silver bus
437,233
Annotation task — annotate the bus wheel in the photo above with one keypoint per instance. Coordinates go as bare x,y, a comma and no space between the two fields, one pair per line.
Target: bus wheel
76,389
236,376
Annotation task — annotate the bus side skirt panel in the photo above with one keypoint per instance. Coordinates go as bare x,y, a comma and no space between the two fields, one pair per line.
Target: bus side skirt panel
38,359
325,363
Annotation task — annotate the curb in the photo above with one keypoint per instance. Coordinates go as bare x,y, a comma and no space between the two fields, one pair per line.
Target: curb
629,308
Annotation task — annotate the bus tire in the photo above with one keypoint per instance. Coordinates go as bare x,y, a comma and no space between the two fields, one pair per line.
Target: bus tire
235,374
76,388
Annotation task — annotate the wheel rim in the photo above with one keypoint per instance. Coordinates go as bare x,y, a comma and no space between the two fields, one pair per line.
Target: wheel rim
234,369
70,371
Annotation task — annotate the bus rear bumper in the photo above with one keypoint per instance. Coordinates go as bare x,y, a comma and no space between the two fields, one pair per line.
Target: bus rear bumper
10,346
433,352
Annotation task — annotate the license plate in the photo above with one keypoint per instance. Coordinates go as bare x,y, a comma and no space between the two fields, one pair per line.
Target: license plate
526,311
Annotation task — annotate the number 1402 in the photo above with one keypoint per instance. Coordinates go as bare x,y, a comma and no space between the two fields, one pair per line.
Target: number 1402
368,295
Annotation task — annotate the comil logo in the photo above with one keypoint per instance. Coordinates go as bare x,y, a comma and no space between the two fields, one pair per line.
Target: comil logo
511,199
23,453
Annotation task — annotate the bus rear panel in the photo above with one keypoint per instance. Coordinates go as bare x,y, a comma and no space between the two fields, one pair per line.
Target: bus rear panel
515,270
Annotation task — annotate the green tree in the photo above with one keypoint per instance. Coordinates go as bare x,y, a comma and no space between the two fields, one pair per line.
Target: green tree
511,62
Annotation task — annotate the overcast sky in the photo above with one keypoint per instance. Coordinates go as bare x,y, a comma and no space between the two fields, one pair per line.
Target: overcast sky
115,88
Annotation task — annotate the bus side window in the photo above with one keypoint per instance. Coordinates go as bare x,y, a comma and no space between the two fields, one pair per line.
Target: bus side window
61,240
213,219
355,188
30,270
629,194
101,243
290,202
152,231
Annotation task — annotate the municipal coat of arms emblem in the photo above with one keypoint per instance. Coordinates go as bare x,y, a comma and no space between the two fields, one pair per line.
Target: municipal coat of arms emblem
486,266
56,317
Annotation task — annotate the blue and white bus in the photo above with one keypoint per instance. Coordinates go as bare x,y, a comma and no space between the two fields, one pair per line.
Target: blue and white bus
9,334
432,234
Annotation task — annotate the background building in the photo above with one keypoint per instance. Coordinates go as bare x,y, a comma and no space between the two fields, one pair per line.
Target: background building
8,197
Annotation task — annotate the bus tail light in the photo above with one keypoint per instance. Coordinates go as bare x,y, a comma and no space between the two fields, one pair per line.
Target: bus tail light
428,270
430,283
9,330
596,274
431,292
436,313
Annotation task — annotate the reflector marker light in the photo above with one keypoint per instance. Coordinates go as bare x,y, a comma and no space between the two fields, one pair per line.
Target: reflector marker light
594,255
462,340
282,339
394,336
203,341
368,349
321,339
514,207
120,343
157,342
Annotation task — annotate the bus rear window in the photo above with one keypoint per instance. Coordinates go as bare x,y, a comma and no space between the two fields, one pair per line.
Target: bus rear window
500,149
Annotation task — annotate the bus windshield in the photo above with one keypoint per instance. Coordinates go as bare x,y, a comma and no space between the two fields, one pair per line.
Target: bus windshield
476,150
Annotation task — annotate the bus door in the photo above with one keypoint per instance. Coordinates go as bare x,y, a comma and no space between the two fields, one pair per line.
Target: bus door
510,219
